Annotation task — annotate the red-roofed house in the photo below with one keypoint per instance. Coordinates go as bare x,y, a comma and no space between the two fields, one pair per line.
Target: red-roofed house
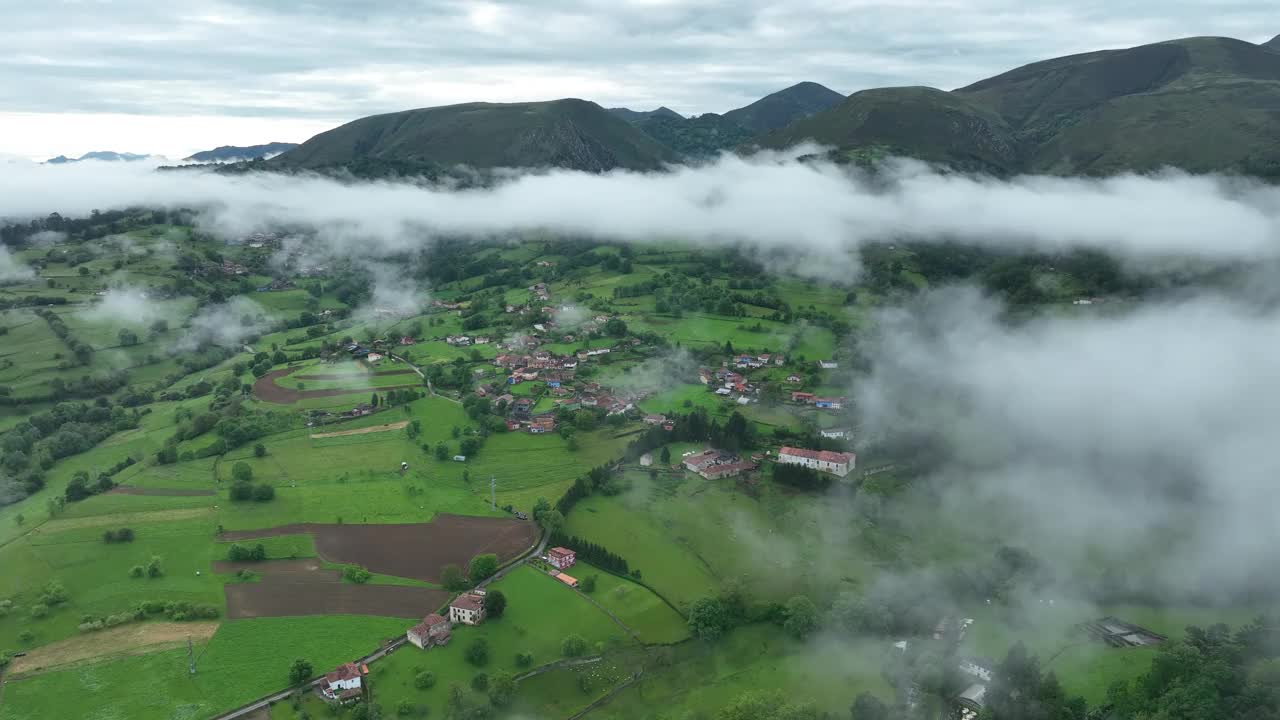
433,630
715,472
344,683
468,609
562,558
803,397
836,463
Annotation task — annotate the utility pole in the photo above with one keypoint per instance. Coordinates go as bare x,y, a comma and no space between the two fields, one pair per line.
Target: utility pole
191,658
493,492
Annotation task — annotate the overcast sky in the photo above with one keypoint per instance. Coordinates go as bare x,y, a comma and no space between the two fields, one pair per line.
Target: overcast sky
175,77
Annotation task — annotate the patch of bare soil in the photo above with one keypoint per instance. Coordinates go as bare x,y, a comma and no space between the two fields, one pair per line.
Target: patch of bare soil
132,639
363,431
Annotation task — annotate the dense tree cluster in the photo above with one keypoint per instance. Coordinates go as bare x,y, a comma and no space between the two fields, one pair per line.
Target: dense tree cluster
801,477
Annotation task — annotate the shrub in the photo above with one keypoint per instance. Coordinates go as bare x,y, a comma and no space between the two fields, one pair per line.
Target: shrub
483,566
241,492
154,570
589,584
137,571
356,574
39,610
573,646
26,637
123,535
259,450
495,603
241,472
480,682
424,680
300,672
263,493
478,652
524,659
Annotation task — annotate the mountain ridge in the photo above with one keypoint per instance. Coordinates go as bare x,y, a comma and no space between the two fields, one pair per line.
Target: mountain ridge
235,153
567,133
781,108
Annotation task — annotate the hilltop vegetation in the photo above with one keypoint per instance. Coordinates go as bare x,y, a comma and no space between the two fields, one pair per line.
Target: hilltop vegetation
573,134
1105,112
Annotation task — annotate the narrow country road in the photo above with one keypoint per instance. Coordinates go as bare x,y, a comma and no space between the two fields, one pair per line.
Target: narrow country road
430,388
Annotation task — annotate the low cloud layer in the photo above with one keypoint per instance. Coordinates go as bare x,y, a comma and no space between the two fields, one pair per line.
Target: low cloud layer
125,307
11,270
770,202
227,325
1144,436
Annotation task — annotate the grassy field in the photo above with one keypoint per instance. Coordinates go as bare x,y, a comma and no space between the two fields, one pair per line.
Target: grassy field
636,606
688,536
697,679
244,660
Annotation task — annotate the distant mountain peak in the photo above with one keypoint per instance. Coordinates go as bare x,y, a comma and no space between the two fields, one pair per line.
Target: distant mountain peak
1273,44
234,153
635,116
103,155
779,109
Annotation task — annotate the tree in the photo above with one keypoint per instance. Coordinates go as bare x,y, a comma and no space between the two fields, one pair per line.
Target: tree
127,337
442,451
259,450
480,682
482,567
300,672
241,491
665,455
552,521
241,472
501,690
137,571
424,680
589,584
263,493
478,652
615,327
524,659
495,603
154,570
356,574
573,646
868,707
19,519
708,619
802,617
366,711
452,578
26,637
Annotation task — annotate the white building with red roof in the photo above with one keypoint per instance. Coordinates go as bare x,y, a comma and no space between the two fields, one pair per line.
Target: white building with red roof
561,557
468,609
345,682
433,630
836,463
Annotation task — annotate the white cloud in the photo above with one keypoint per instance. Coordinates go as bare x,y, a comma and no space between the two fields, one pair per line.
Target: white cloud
1141,435
812,214
125,307
12,270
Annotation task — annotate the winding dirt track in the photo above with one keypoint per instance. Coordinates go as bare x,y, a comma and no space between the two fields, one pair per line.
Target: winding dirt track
349,376
265,388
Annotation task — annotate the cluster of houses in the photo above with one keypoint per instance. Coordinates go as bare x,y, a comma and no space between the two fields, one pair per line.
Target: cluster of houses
715,464
758,361
835,463
466,340
826,403
260,240
730,384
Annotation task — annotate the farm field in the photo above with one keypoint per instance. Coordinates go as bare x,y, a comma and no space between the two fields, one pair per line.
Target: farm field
526,626
636,606
244,659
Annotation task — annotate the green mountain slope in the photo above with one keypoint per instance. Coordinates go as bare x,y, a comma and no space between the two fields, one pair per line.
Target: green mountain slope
1201,104
696,137
784,107
573,134
920,122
